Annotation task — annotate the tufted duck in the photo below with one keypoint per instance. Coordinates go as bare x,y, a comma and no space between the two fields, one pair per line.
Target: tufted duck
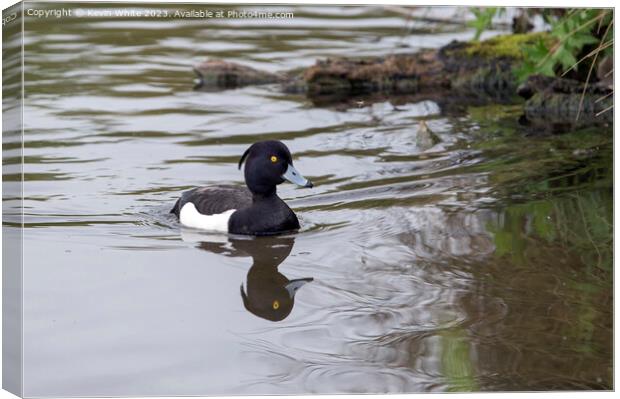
252,210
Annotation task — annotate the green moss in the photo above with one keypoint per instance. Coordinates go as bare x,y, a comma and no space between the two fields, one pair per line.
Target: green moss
491,114
510,46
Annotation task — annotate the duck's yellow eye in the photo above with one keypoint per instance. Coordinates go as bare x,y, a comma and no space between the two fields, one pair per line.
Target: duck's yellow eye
276,304
274,159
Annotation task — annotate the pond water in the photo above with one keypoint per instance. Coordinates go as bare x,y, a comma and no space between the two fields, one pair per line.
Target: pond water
483,262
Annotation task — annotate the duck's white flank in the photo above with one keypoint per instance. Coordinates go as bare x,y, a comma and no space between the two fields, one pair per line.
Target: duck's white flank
190,217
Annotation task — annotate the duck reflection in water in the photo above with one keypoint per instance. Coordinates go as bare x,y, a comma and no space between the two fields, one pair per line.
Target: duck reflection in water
268,293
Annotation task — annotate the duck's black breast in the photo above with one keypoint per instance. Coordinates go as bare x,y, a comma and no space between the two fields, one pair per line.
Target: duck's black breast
267,216
212,200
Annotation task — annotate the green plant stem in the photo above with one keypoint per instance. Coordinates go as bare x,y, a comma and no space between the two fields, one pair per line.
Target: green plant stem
585,86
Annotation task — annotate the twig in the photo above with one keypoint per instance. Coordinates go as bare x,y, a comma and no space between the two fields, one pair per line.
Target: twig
600,23
604,97
605,110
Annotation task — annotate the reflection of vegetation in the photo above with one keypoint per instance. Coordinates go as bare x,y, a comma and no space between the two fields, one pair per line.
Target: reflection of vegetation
579,223
583,330
541,165
457,366
559,188
554,221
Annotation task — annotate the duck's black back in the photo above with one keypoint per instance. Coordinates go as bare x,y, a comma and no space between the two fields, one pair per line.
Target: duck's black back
214,200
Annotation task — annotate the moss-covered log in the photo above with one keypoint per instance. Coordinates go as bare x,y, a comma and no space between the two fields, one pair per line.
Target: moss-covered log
399,74
479,71
468,66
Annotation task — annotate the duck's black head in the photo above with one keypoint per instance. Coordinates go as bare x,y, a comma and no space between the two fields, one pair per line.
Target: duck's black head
267,164
271,295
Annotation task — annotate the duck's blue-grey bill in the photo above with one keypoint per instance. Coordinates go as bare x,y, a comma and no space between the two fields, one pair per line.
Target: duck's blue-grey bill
294,176
294,285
